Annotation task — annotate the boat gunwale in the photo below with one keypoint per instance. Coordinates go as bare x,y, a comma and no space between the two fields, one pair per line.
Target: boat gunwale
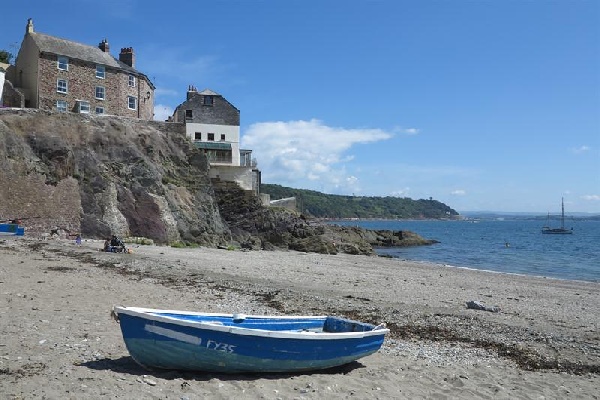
146,313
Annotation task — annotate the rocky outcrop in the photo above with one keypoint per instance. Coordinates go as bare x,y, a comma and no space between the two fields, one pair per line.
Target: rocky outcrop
99,175
257,227
388,238
106,175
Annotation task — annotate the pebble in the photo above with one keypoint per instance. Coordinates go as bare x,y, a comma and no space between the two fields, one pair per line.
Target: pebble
148,381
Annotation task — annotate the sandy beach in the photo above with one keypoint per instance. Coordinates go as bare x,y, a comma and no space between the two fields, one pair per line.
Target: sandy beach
57,340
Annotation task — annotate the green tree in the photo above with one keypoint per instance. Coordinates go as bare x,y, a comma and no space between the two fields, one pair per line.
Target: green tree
323,205
5,56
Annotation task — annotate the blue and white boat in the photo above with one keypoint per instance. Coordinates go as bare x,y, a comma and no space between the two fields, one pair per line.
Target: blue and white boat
237,343
11,229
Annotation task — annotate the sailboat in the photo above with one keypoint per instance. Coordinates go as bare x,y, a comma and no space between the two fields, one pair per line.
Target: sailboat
558,231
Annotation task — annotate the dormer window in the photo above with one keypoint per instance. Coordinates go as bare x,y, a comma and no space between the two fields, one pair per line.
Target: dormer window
208,100
63,63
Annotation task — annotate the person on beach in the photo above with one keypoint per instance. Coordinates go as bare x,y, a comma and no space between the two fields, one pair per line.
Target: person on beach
117,245
107,245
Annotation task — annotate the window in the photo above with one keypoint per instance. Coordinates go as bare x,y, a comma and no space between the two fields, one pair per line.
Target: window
211,137
61,86
100,92
83,107
61,106
100,71
222,137
188,114
132,103
198,136
131,80
63,63
208,100
99,110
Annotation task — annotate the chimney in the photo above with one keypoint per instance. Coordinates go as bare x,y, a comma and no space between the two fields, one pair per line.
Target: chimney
29,28
126,56
191,91
104,46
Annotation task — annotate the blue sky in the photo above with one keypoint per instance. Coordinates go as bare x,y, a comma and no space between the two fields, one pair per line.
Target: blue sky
483,105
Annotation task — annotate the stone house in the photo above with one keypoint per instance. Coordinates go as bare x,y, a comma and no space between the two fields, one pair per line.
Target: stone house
213,124
3,68
51,73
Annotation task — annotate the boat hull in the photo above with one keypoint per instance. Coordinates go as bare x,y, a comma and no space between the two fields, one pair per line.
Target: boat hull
557,231
239,348
11,230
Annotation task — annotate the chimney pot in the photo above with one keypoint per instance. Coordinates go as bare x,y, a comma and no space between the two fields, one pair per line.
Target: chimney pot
29,28
104,46
191,91
127,56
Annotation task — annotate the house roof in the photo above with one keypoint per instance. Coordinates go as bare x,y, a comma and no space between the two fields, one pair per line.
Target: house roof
208,92
205,92
63,47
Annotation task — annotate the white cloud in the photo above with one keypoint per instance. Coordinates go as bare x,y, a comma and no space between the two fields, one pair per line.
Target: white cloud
580,149
351,179
591,197
162,112
295,151
401,192
458,192
407,131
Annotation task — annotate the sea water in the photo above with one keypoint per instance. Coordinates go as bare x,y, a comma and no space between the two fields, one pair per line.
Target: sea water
508,246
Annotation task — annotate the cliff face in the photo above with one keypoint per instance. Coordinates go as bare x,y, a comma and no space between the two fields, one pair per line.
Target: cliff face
106,175
100,176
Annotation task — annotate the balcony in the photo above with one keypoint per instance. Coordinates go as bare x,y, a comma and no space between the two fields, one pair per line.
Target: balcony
216,152
213,145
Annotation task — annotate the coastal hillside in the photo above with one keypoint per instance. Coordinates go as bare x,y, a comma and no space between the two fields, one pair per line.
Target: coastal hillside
102,175
321,205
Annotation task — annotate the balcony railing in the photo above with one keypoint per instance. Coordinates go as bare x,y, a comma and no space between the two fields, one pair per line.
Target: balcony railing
219,158
248,163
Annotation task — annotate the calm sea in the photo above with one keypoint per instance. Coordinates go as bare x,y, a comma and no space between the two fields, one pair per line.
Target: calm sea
509,246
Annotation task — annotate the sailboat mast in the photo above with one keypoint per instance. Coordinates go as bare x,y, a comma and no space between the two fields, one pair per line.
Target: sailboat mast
562,218
561,230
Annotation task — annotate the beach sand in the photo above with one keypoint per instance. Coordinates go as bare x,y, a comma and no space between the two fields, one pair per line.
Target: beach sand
57,340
